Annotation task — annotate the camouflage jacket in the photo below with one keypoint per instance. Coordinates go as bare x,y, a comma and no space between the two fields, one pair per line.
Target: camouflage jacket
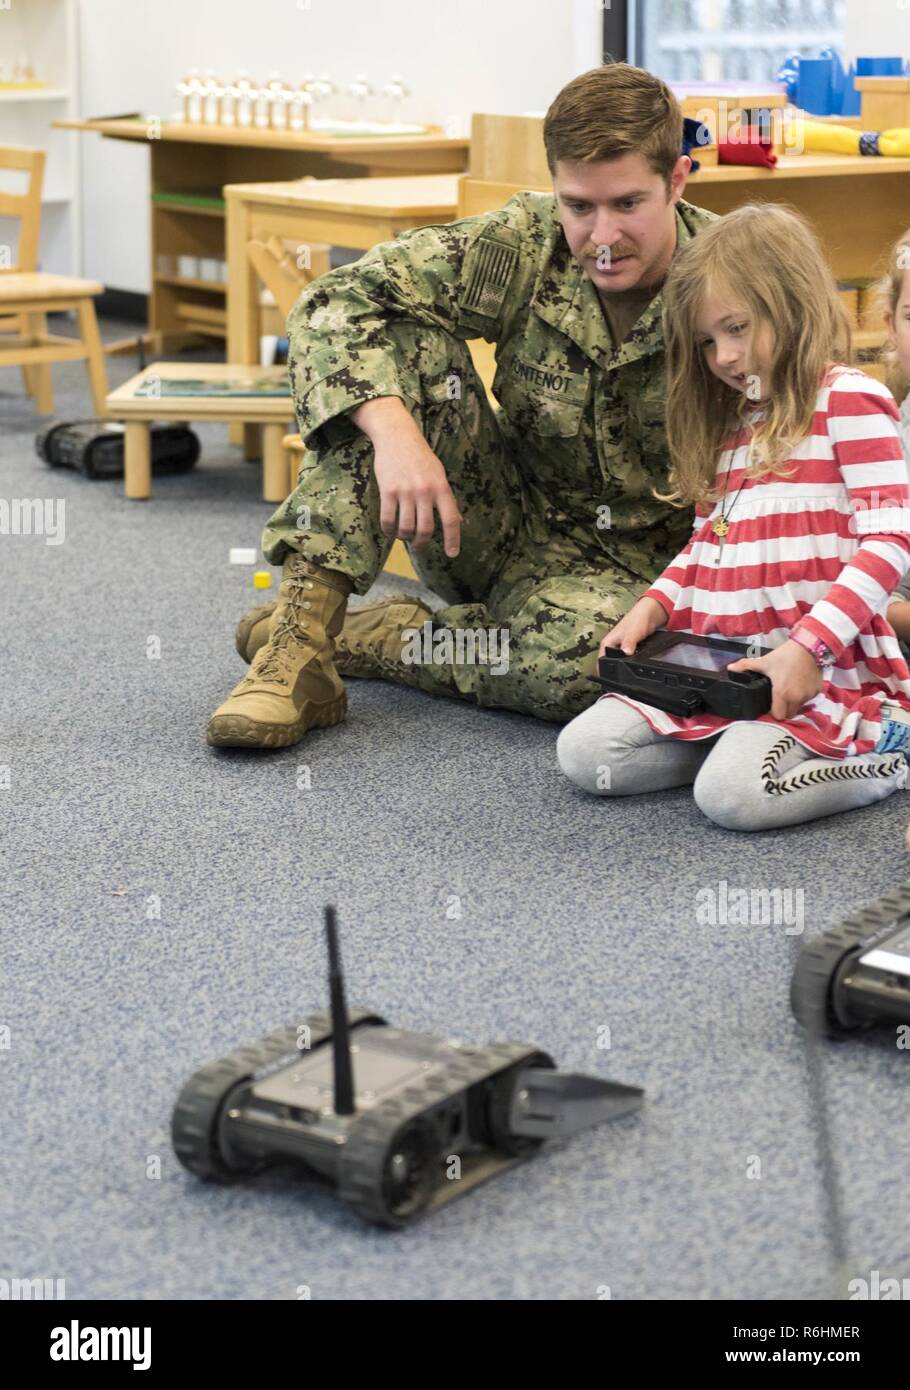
585,421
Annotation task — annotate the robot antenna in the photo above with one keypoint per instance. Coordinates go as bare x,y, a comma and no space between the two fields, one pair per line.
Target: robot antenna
341,1040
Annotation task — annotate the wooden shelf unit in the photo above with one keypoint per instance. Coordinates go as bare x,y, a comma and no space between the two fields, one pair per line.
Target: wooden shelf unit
47,31
193,160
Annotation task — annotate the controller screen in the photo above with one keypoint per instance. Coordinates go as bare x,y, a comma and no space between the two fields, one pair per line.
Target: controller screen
702,658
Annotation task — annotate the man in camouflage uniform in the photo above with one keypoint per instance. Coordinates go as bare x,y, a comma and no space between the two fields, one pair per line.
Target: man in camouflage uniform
549,529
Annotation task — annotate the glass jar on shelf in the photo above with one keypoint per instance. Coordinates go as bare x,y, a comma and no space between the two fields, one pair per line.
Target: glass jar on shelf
262,107
229,97
190,91
359,95
246,97
299,106
213,91
280,101
395,97
323,91
23,71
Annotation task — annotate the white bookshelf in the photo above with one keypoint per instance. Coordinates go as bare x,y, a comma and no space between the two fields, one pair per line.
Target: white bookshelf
48,32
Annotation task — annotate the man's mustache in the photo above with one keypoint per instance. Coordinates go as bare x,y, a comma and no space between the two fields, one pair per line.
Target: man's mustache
615,255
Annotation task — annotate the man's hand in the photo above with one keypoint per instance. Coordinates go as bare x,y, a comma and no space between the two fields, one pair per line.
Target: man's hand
412,481
646,617
794,675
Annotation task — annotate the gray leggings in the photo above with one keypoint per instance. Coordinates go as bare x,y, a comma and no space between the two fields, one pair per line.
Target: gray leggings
749,777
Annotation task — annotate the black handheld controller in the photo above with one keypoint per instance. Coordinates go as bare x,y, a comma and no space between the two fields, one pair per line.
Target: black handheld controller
684,675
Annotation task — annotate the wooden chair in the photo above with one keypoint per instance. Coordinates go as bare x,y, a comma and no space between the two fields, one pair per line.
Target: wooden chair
28,295
279,272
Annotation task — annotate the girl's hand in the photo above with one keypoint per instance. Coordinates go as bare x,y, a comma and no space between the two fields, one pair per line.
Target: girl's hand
646,617
794,675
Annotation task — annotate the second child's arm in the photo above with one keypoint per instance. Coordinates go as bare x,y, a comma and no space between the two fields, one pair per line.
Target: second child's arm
898,613
899,617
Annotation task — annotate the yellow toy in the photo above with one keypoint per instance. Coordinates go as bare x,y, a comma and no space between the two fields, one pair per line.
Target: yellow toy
842,139
262,579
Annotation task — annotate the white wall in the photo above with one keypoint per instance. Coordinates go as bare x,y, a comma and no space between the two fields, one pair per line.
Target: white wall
877,28
457,56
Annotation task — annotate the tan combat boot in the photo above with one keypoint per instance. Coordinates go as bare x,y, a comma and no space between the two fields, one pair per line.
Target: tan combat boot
293,684
370,641
252,631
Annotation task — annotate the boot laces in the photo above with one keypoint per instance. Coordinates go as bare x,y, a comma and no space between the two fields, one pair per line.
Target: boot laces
287,632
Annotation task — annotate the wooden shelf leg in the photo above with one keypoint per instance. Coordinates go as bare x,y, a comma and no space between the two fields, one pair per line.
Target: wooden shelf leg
138,460
274,463
252,445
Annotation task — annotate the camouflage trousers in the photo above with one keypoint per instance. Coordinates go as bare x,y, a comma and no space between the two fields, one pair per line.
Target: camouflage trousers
516,572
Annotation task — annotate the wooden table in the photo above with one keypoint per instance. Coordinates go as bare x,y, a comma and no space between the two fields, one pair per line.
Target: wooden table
200,160
359,213
273,413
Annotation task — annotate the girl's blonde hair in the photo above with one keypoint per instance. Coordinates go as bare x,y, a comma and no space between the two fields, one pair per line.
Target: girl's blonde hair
887,293
766,258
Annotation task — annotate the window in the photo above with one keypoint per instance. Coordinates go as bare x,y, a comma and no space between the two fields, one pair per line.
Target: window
726,40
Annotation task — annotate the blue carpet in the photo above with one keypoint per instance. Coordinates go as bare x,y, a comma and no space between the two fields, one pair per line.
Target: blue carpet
480,896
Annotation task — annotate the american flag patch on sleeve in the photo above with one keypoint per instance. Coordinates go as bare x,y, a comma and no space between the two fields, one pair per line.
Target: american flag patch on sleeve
494,265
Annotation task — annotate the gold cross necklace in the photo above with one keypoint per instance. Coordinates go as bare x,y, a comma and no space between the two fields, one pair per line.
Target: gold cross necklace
721,524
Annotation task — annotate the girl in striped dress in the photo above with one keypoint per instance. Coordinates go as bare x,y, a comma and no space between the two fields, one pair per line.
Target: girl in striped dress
802,532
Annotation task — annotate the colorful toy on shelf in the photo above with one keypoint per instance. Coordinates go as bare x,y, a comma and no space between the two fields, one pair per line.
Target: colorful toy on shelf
823,87
820,137
696,136
751,146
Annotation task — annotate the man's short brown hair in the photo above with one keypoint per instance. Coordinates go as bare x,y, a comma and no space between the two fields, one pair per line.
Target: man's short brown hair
612,111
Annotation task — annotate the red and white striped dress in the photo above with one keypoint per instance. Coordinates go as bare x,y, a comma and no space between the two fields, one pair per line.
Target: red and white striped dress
822,549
